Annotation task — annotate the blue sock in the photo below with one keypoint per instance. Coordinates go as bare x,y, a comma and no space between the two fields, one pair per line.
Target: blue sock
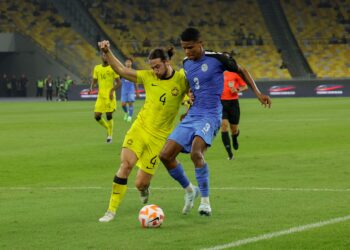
125,109
179,174
202,176
131,110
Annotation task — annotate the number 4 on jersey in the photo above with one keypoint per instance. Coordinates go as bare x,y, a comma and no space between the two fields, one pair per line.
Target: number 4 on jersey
162,98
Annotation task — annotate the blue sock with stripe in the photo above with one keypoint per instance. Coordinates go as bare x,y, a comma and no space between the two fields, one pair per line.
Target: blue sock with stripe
202,176
179,175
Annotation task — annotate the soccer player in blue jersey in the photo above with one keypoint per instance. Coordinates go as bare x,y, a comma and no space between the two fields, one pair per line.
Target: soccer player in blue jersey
128,94
204,72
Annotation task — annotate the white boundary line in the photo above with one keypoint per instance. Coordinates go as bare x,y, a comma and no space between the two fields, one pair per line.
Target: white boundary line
279,233
177,188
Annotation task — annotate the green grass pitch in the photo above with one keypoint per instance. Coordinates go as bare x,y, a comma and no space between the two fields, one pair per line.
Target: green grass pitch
292,169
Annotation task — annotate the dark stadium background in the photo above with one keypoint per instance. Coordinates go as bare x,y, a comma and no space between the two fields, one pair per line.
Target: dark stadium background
302,45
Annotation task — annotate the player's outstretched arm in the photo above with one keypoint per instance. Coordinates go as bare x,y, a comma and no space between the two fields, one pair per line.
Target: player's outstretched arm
116,65
264,99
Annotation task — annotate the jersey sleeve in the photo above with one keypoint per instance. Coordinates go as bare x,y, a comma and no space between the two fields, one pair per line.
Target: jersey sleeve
140,76
240,81
183,76
229,63
94,73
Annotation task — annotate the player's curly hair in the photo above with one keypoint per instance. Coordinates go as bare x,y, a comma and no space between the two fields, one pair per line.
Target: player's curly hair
163,54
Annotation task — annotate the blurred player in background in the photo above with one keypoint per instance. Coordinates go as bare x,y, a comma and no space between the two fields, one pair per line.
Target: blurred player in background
108,81
128,94
67,85
165,89
49,84
204,72
233,84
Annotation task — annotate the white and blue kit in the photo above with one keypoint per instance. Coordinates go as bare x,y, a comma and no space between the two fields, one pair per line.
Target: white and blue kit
206,79
128,91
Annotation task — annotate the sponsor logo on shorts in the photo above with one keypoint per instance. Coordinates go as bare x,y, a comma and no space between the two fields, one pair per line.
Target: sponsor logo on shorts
130,142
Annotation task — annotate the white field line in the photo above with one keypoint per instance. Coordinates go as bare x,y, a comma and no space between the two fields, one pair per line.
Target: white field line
177,188
279,233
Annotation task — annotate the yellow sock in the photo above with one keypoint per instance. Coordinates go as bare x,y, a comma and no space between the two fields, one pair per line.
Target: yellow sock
103,123
110,127
118,192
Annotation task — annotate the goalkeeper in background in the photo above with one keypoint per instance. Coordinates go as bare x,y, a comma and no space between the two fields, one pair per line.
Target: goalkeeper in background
108,81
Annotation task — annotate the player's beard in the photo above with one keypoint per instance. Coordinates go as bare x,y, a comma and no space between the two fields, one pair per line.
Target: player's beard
163,76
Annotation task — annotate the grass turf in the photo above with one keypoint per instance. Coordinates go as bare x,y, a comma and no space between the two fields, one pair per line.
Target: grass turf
292,169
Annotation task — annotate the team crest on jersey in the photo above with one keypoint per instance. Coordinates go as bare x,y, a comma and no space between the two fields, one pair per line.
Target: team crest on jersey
231,83
204,67
129,142
175,91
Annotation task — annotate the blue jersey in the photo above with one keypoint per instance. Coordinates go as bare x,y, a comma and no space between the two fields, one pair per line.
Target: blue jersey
127,87
206,80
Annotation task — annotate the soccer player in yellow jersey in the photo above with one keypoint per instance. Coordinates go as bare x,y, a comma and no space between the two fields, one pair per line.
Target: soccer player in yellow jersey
165,89
108,81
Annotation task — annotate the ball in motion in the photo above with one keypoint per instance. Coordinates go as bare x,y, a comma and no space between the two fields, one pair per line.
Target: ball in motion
151,216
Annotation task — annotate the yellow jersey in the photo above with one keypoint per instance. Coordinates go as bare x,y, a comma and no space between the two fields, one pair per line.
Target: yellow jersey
162,103
105,76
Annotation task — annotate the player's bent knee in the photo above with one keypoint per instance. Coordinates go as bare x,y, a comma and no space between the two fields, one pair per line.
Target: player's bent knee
197,157
164,157
141,185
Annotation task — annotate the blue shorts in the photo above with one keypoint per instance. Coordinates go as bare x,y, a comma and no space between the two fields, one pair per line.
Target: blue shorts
128,97
204,126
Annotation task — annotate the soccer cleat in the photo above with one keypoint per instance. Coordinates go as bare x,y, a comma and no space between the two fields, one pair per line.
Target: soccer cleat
235,141
109,139
189,199
204,209
125,116
144,196
109,216
230,158
129,119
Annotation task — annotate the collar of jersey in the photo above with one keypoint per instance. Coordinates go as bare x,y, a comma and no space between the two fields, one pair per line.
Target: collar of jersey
170,75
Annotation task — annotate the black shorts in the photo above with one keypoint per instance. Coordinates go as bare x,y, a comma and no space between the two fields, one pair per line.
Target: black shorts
231,111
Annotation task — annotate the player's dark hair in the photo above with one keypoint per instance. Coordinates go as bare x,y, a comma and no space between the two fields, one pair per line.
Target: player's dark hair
161,53
190,34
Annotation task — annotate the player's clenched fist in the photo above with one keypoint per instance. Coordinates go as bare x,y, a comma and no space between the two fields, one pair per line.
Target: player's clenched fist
104,46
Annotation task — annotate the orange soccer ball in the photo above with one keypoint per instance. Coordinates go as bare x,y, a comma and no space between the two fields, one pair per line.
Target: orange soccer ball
151,216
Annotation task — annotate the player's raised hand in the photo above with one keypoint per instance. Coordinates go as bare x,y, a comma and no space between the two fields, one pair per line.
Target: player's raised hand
104,46
265,100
